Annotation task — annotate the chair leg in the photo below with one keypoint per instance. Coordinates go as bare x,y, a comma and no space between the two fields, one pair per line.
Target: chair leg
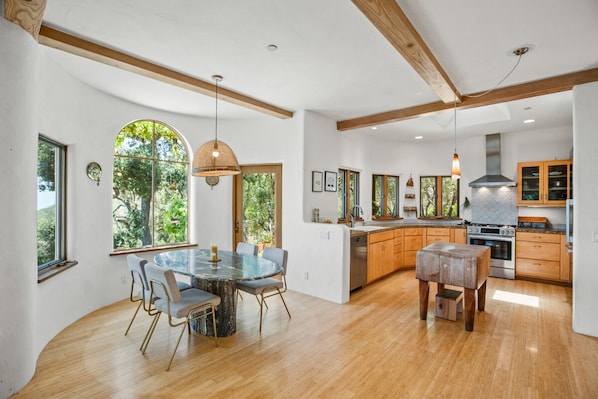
134,315
177,345
284,303
261,310
149,333
214,324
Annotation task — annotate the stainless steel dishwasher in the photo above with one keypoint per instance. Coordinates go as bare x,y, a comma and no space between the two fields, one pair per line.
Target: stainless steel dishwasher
359,261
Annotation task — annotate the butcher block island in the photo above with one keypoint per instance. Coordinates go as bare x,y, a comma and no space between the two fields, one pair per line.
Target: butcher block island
460,265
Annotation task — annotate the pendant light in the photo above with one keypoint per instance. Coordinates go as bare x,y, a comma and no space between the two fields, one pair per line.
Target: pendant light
456,167
215,157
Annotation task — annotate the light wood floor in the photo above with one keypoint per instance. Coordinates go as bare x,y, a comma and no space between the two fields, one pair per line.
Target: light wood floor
373,347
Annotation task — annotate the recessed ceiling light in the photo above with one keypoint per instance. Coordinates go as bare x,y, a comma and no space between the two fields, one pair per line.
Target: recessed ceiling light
272,47
374,127
529,121
418,137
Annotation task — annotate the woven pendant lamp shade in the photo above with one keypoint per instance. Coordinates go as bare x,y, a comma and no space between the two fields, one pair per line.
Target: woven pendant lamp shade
206,164
215,158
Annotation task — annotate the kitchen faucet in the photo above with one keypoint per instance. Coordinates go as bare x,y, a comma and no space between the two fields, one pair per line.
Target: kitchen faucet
356,214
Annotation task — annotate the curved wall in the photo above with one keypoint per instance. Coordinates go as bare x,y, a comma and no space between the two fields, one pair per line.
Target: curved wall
18,138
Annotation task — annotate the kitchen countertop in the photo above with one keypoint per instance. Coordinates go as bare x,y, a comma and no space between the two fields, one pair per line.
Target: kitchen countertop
367,229
539,231
380,228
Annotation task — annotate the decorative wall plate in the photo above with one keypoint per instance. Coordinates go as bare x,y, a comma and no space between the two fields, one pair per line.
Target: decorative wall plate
94,172
212,180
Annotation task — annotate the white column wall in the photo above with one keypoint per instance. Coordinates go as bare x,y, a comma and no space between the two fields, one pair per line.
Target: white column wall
18,244
585,217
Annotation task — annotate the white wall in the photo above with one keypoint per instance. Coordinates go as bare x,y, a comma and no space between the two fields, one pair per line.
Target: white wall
585,172
18,151
328,149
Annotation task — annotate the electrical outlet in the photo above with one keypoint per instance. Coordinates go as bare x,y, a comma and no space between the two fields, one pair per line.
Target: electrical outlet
324,235
306,275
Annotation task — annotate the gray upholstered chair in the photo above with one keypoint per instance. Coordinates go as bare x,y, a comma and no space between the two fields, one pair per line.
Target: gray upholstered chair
267,287
247,248
188,305
136,266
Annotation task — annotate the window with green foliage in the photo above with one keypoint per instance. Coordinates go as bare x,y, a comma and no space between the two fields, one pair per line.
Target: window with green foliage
385,197
51,186
439,196
149,205
348,192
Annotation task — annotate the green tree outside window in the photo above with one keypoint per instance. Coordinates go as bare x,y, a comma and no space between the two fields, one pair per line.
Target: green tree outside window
151,168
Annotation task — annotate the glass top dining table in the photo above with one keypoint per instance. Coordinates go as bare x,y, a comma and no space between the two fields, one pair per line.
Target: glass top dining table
219,278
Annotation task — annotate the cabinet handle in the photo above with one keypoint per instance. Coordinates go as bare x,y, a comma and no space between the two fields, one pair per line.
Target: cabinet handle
537,264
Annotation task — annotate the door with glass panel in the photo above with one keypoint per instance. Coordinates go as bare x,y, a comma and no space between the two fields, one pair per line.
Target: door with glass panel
258,206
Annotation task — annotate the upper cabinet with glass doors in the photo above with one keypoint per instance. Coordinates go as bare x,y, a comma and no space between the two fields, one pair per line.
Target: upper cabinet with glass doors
544,183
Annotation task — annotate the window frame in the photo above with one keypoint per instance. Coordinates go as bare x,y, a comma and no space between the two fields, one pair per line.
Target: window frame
60,185
344,200
384,205
438,199
155,159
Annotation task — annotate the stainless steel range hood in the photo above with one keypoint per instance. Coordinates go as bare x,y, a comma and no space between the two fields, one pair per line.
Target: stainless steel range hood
493,178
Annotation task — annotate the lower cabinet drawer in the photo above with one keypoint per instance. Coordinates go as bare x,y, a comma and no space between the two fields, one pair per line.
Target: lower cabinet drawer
433,239
542,269
538,250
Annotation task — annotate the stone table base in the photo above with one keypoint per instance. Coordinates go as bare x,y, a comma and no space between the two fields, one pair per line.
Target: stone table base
225,312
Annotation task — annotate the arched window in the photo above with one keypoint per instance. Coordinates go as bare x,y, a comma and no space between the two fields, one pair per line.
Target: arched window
149,202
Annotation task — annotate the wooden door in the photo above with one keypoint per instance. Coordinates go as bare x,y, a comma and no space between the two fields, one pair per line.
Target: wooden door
257,208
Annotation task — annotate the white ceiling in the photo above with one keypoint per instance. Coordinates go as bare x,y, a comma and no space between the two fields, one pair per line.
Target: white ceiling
332,60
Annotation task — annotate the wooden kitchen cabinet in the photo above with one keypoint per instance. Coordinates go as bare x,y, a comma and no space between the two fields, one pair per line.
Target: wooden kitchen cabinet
398,249
413,241
380,254
542,256
459,235
544,183
437,234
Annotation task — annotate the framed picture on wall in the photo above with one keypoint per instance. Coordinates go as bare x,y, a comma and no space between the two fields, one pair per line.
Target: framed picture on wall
330,181
316,181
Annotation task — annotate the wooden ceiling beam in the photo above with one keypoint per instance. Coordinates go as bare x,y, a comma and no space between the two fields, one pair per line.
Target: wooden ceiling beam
391,21
72,44
536,88
28,14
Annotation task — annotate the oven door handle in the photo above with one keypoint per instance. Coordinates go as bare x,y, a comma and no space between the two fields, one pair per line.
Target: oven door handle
490,238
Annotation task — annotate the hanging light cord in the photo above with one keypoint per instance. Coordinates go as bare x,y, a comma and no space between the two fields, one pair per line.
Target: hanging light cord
455,120
499,83
217,79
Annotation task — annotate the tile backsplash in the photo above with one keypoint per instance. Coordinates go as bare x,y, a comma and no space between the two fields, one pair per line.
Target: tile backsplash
494,205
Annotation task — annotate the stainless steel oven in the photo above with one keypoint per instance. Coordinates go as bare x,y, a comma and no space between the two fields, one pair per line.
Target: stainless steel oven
501,240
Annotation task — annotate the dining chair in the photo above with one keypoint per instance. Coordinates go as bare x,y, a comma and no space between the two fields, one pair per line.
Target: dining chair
267,287
136,266
189,305
247,248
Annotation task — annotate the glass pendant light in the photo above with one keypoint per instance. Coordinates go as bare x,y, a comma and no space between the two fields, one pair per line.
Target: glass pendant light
215,157
456,167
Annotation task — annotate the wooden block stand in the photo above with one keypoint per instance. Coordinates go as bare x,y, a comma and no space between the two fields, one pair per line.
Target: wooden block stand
448,303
